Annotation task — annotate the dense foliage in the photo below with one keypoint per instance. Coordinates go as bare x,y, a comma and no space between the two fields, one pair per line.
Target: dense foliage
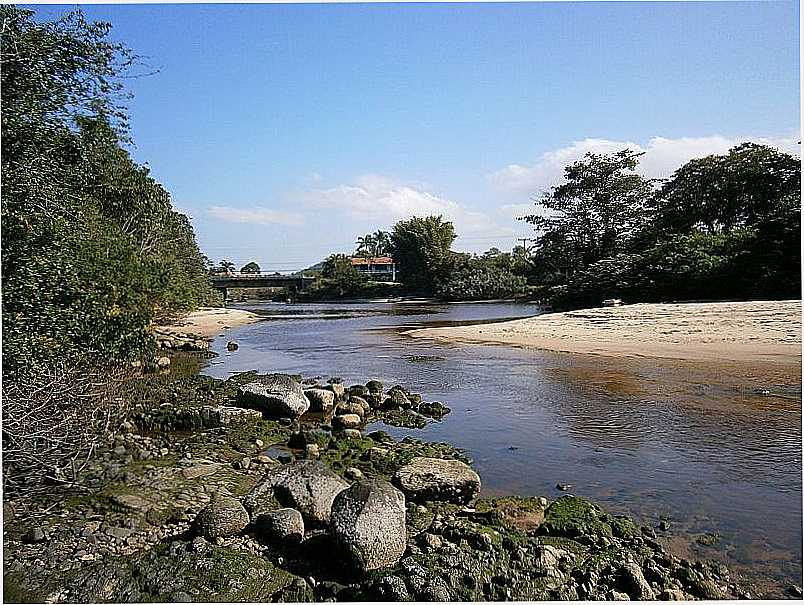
251,267
421,248
722,227
92,248
481,283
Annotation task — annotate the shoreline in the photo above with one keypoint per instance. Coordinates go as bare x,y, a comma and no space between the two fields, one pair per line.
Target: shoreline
201,460
209,322
753,331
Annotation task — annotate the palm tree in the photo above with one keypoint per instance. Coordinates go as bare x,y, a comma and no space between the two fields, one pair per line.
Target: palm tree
227,266
382,243
365,245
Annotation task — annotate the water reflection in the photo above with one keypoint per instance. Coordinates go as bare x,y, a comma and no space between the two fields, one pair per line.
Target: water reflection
717,447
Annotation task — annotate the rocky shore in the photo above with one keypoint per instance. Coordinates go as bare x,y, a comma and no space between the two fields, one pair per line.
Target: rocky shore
272,488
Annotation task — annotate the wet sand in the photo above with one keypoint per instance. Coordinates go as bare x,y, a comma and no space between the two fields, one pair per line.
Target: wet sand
209,322
753,331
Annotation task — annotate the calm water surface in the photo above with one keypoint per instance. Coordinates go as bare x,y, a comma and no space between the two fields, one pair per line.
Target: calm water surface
698,444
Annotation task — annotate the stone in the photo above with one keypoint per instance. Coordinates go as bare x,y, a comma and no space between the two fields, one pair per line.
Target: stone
264,460
635,583
275,395
347,421
309,486
353,473
396,399
232,346
374,386
368,524
434,409
227,415
432,541
321,400
119,532
673,594
355,405
35,535
391,589
163,362
224,516
350,434
285,525
131,502
311,451
337,388
358,390
200,470
437,479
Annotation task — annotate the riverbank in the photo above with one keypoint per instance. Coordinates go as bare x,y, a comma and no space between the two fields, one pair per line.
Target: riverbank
209,322
754,332
198,498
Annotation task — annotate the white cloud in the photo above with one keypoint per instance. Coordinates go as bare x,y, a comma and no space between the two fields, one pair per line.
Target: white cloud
662,157
383,201
256,215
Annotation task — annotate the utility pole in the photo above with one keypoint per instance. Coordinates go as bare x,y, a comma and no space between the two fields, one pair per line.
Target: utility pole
525,241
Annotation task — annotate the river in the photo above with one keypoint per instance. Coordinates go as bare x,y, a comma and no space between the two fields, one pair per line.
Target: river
700,445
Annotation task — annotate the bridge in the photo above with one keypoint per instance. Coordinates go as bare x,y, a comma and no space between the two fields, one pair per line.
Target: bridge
293,283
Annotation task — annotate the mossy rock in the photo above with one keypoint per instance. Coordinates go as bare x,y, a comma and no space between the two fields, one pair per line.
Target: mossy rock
217,575
518,512
573,517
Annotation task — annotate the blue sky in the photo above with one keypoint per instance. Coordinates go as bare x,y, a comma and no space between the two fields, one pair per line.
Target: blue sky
285,131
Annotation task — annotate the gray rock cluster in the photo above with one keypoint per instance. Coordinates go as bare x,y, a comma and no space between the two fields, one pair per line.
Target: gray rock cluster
180,341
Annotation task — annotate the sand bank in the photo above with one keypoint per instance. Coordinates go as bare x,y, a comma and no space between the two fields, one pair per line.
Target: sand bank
754,331
211,321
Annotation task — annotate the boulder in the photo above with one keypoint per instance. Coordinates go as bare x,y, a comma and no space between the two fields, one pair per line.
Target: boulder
433,409
232,346
635,583
274,395
352,407
436,479
368,524
224,516
350,434
309,486
396,399
359,390
374,386
285,525
321,400
338,388
347,421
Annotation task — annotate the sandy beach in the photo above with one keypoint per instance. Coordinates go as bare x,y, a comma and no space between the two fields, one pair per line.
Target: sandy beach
754,331
210,321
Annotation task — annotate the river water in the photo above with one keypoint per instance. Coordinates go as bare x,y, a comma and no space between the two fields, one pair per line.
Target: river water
698,444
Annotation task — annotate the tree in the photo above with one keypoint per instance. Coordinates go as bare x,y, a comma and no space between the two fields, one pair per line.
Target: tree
593,215
226,266
341,274
421,246
720,193
251,267
93,251
373,244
